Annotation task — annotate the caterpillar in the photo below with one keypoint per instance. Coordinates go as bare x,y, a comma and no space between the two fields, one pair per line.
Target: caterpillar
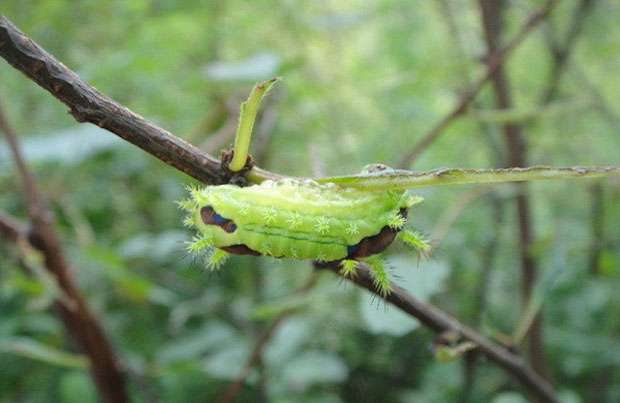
301,219
339,220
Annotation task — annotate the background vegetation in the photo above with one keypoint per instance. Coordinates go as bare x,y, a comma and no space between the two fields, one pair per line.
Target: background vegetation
362,81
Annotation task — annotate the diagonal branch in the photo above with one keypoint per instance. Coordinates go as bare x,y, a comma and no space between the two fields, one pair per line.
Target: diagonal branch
562,52
495,60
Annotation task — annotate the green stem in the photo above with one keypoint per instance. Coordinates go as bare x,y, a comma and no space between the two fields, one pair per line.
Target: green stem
402,179
247,116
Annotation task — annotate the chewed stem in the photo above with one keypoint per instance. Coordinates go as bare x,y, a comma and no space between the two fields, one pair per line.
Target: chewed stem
247,117
402,179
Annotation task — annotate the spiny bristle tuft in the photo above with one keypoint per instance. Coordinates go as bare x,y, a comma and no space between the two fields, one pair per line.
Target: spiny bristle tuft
416,241
321,257
396,221
348,267
201,195
188,205
216,259
413,200
188,221
199,244
193,190
381,278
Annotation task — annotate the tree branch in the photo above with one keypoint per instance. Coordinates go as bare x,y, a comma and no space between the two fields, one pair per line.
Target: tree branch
495,60
77,318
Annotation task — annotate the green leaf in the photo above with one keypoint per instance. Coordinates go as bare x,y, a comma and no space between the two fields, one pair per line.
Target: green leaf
313,367
287,341
212,337
227,362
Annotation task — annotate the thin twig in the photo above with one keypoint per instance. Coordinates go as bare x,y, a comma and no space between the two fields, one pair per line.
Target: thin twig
562,52
402,179
495,60
601,104
453,213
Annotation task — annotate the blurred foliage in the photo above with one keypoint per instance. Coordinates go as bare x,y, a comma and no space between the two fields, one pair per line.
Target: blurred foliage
362,81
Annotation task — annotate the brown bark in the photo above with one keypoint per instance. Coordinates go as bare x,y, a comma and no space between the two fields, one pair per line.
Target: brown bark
74,312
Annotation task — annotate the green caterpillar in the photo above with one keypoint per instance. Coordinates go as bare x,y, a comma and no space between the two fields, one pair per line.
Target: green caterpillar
338,220
301,219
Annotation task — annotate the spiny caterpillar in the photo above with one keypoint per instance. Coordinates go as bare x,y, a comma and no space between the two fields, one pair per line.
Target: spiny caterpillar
339,220
301,219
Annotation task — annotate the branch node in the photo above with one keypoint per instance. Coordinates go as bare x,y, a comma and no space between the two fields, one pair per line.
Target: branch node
239,177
